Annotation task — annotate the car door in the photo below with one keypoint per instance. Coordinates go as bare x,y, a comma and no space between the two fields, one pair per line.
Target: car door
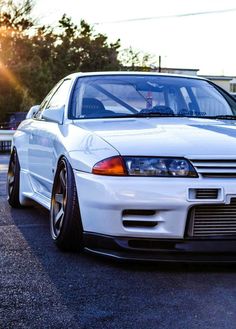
43,137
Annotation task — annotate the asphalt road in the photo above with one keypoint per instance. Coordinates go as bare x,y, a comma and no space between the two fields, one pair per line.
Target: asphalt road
41,287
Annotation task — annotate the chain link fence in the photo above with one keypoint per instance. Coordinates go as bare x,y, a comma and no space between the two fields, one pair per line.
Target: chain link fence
5,138
5,146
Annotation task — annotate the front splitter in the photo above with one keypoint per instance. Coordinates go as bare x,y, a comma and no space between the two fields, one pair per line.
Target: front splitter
161,250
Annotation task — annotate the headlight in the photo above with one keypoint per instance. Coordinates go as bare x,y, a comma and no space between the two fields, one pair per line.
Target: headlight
162,167
144,166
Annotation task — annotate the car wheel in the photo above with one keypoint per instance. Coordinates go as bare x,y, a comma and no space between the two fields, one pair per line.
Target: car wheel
65,219
13,181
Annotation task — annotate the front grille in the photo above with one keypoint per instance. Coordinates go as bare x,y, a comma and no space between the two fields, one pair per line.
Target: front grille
215,168
206,193
213,220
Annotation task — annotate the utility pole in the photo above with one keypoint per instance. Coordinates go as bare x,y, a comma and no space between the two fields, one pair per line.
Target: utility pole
159,68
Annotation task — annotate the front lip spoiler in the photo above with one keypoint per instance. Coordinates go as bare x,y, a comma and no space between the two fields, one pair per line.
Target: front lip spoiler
169,250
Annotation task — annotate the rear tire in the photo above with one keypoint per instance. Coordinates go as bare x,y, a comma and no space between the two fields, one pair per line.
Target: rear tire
65,218
13,181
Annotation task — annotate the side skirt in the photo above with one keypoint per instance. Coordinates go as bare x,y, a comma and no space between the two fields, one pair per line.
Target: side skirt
27,192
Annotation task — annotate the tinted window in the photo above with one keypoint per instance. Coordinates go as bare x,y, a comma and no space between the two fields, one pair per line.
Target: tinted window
60,96
114,96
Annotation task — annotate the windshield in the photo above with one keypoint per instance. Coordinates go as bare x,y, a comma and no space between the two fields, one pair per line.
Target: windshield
134,95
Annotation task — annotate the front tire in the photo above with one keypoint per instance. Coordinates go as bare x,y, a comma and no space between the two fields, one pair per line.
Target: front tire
65,219
13,181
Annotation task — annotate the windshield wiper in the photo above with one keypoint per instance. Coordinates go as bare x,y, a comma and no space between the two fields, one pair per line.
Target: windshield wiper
147,114
224,117
151,114
164,115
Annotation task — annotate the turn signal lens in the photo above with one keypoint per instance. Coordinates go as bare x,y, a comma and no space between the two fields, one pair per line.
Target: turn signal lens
111,167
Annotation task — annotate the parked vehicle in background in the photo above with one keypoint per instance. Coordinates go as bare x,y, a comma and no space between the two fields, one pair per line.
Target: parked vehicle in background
3,126
132,165
14,119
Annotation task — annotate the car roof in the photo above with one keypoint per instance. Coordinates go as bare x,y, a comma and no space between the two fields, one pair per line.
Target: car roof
109,73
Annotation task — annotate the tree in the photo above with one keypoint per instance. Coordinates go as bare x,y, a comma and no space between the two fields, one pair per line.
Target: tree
15,53
33,58
80,49
134,60
32,62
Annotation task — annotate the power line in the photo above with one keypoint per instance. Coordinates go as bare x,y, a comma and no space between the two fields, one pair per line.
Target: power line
167,16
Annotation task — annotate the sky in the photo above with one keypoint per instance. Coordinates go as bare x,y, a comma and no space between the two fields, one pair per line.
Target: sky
206,42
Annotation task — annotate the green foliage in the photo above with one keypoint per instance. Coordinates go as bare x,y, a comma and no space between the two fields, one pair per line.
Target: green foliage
15,54
135,60
33,59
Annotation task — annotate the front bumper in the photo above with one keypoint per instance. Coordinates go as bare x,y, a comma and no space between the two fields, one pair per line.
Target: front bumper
161,250
108,203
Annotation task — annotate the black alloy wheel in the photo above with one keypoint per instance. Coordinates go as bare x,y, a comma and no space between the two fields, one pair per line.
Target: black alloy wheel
13,181
65,219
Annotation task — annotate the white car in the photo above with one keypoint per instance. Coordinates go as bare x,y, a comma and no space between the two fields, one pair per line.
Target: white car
132,165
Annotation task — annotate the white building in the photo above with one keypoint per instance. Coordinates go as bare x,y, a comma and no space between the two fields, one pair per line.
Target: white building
179,71
228,83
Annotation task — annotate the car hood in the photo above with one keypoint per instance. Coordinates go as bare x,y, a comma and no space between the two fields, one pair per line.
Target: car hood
188,137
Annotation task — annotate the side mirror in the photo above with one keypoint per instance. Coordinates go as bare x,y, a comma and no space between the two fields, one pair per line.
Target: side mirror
54,114
32,111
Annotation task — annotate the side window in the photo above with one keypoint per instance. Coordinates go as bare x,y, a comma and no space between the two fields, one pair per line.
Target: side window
60,96
42,106
56,97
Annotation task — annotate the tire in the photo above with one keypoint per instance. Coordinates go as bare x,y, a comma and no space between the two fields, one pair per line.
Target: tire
13,181
65,219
